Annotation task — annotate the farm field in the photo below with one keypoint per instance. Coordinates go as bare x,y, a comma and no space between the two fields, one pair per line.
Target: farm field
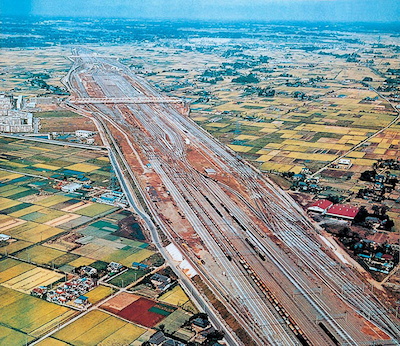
99,243
143,311
27,314
99,328
30,279
175,296
49,160
99,293
126,278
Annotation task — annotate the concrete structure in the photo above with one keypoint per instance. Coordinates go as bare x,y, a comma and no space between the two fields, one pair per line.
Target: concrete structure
345,162
4,237
210,171
5,104
84,133
71,187
17,121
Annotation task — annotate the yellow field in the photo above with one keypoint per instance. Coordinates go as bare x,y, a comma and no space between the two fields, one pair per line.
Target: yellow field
379,151
14,247
280,167
99,328
11,176
314,157
9,223
82,167
240,148
34,232
26,211
363,162
94,209
267,130
99,293
103,158
7,203
50,167
12,337
17,269
39,148
136,257
245,137
29,314
123,336
317,145
51,342
81,261
30,279
40,254
176,296
264,158
356,154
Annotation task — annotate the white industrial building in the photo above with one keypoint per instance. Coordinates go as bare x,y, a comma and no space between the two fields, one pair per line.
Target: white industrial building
72,187
84,133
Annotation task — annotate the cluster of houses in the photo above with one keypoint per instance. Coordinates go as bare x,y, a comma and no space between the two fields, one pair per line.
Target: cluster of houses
375,261
302,182
340,211
71,293
201,326
382,186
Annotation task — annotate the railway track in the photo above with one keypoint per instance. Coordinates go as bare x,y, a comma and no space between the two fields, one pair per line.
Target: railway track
227,228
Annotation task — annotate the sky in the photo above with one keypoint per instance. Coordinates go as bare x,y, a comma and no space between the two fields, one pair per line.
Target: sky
252,10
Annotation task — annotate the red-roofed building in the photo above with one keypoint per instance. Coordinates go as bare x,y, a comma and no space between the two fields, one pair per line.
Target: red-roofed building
343,211
320,206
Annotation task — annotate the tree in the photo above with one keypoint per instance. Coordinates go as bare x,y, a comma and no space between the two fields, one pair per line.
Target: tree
376,209
389,225
361,215
393,181
214,337
368,175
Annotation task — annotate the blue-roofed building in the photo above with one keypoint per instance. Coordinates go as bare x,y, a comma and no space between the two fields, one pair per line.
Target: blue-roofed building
137,265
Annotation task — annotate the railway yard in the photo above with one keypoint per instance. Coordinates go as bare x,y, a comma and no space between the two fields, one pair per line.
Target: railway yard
249,242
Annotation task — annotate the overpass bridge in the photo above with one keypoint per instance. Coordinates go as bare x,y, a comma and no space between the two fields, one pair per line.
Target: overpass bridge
126,100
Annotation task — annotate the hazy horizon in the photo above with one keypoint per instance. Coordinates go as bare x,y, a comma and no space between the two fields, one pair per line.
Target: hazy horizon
379,11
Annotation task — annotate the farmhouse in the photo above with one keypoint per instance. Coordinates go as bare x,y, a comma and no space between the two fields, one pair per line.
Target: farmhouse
161,282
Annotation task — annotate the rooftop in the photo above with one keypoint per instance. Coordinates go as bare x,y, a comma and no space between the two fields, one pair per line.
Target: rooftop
342,210
321,203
